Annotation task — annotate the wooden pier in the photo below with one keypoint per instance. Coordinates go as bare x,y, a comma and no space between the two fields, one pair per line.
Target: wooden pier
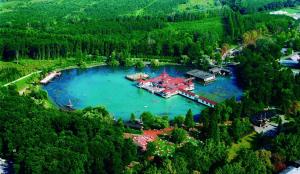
49,77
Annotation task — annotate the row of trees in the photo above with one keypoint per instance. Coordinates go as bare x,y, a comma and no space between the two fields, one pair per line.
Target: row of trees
118,36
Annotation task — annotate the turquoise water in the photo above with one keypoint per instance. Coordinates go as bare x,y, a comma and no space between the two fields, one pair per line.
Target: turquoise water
106,86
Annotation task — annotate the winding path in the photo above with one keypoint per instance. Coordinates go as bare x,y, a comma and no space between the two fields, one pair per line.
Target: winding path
21,78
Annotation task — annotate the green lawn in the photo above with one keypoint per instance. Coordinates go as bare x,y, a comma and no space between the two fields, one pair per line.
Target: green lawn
24,83
199,3
245,143
292,10
201,26
11,71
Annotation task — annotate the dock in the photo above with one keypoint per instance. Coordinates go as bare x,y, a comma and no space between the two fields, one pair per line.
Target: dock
137,76
201,76
49,77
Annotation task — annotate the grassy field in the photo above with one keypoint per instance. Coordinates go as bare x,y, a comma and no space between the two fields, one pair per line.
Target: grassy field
246,143
204,25
179,29
292,10
10,71
199,4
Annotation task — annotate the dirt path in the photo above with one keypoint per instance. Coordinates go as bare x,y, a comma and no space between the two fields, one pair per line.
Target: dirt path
21,78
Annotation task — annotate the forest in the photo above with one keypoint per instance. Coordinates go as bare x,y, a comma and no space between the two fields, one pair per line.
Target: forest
188,32
35,137
42,36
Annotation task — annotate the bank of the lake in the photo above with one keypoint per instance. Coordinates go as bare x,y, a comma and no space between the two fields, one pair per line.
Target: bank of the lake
106,86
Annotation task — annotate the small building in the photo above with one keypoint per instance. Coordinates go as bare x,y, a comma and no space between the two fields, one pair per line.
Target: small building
134,125
220,71
215,70
202,76
261,118
295,58
165,85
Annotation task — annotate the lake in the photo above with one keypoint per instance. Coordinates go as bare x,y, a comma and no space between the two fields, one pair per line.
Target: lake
107,86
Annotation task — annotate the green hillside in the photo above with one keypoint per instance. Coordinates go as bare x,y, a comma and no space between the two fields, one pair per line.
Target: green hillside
41,29
100,9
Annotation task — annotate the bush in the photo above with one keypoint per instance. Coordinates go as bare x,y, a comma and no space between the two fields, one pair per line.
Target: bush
178,135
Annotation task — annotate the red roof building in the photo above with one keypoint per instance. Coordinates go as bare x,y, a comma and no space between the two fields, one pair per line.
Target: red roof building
167,86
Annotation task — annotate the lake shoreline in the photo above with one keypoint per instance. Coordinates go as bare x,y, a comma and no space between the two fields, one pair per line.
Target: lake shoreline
74,85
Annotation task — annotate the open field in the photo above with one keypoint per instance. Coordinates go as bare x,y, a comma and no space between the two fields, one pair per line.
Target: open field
245,142
27,68
293,12
201,26
10,71
197,4
292,9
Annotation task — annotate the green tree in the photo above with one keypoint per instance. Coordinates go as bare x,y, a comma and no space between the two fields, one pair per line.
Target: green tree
288,145
179,135
180,165
179,121
154,63
132,117
189,119
240,127
140,64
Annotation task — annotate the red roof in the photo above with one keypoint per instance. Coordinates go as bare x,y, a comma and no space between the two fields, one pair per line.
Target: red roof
188,92
171,84
169,90
208,101
148,136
